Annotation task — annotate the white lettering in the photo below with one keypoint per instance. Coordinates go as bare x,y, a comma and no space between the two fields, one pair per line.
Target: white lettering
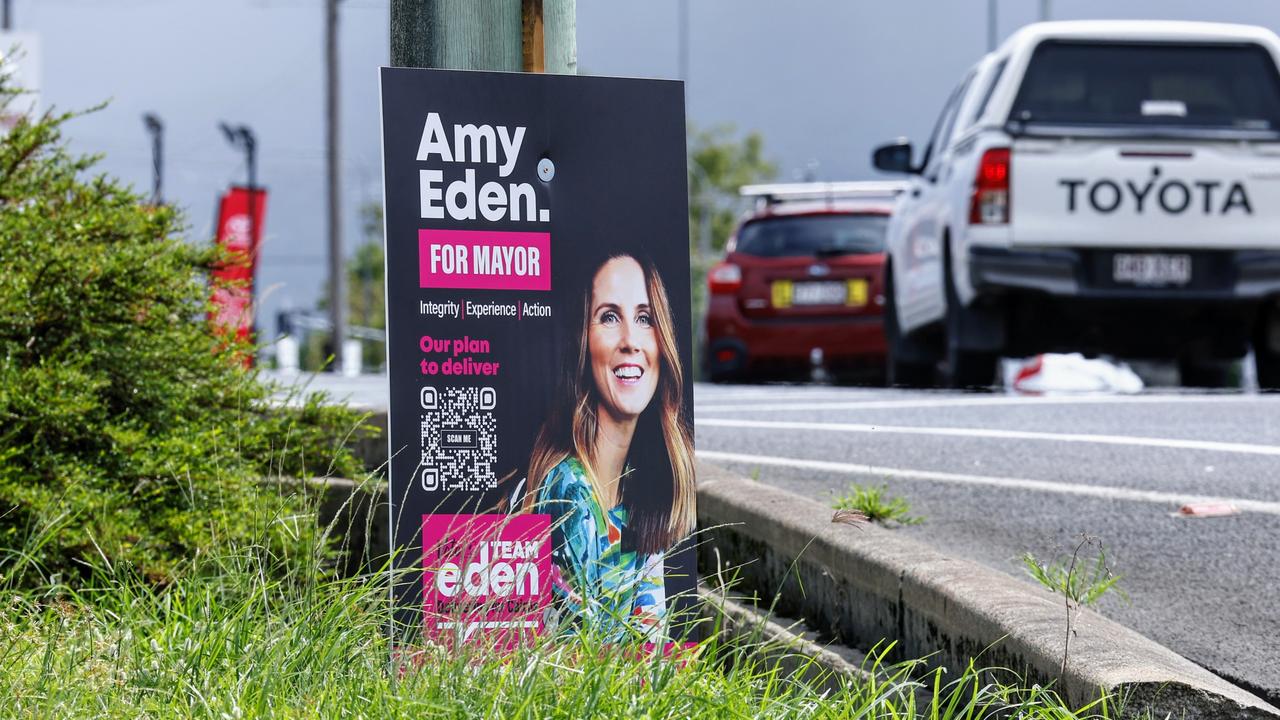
523,190
510,149
501,578
484,261
475,581
480,138
449,259
433,140
430,194
467,189
447,579
493,201
524,572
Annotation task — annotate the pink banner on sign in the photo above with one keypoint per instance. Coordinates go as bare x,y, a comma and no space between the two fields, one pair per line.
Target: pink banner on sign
484,260
486,578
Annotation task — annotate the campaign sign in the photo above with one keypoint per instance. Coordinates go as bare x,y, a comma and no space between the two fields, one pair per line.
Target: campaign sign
538,345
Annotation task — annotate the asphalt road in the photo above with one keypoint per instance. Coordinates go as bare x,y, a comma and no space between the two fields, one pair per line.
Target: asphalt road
996,476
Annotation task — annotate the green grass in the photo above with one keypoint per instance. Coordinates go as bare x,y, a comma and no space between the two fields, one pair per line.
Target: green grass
876,503
230,641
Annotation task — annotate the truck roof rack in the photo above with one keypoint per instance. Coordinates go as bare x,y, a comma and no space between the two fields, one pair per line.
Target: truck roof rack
775,193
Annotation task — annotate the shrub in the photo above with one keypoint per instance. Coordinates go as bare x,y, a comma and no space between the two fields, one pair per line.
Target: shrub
130,433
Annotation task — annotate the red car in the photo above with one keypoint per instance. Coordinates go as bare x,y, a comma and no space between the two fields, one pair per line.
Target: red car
802,282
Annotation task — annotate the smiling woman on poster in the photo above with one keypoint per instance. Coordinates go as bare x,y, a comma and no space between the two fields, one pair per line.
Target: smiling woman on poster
613,464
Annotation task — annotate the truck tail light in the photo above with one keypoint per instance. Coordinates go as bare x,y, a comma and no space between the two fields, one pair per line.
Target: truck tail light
724,278
990,204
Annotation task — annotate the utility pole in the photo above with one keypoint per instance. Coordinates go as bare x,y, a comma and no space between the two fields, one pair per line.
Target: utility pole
684,45
991,25
333,168
485,35
6,22
156,129
1044,10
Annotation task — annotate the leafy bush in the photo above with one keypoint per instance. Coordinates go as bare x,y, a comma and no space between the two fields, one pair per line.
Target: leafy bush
130,433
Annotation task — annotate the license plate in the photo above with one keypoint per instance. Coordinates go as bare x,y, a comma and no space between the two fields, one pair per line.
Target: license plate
852,293
1151,269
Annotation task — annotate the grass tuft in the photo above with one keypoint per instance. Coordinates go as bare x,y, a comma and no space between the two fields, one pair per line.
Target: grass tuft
877,505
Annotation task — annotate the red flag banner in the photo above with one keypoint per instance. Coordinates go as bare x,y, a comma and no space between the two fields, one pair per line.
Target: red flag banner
240,217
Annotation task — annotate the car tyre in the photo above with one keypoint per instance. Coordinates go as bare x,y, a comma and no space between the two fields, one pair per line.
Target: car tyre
1268,367
722,377
966,369
1266,356
1211,374
907,362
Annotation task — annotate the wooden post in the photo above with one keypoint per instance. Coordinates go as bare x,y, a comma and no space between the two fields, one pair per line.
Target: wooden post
531,36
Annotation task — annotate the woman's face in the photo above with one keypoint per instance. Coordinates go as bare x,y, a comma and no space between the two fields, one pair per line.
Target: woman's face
622,340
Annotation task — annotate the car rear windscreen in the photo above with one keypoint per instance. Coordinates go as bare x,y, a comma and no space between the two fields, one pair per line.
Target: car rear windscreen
815,235
1192,85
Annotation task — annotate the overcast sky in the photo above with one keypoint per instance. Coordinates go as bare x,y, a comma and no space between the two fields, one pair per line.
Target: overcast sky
822,81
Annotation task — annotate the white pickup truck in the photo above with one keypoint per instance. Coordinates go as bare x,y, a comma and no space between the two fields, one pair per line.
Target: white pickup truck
1103,187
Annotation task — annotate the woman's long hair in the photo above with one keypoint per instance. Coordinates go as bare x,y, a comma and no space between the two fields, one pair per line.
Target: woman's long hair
659,491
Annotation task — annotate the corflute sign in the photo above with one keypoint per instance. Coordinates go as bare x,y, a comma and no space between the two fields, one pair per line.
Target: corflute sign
538,346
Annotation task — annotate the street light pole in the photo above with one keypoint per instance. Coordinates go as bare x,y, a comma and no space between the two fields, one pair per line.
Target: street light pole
156,129
684,43
991,25
333,168
242,138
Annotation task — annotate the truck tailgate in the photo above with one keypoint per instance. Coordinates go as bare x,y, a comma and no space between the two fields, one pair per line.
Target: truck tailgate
1143,194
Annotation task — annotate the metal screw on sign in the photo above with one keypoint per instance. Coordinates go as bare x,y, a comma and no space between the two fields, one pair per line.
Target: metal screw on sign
546,169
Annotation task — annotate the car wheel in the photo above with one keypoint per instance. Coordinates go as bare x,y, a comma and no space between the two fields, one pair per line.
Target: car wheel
966,369
1266,354
908,362
725,369
1268,366
721,377
1202,373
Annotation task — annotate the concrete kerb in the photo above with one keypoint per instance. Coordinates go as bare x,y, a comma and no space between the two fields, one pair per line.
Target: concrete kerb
867,584
768,640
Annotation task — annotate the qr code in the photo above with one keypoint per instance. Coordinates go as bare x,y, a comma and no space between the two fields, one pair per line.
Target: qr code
459,439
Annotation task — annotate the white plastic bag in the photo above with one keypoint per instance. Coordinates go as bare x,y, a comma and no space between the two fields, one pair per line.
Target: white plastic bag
1073,373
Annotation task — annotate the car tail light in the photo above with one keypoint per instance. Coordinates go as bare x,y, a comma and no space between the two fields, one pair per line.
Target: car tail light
724,278
990,205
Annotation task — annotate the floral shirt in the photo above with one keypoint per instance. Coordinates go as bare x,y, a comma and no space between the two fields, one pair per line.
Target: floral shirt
594,582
